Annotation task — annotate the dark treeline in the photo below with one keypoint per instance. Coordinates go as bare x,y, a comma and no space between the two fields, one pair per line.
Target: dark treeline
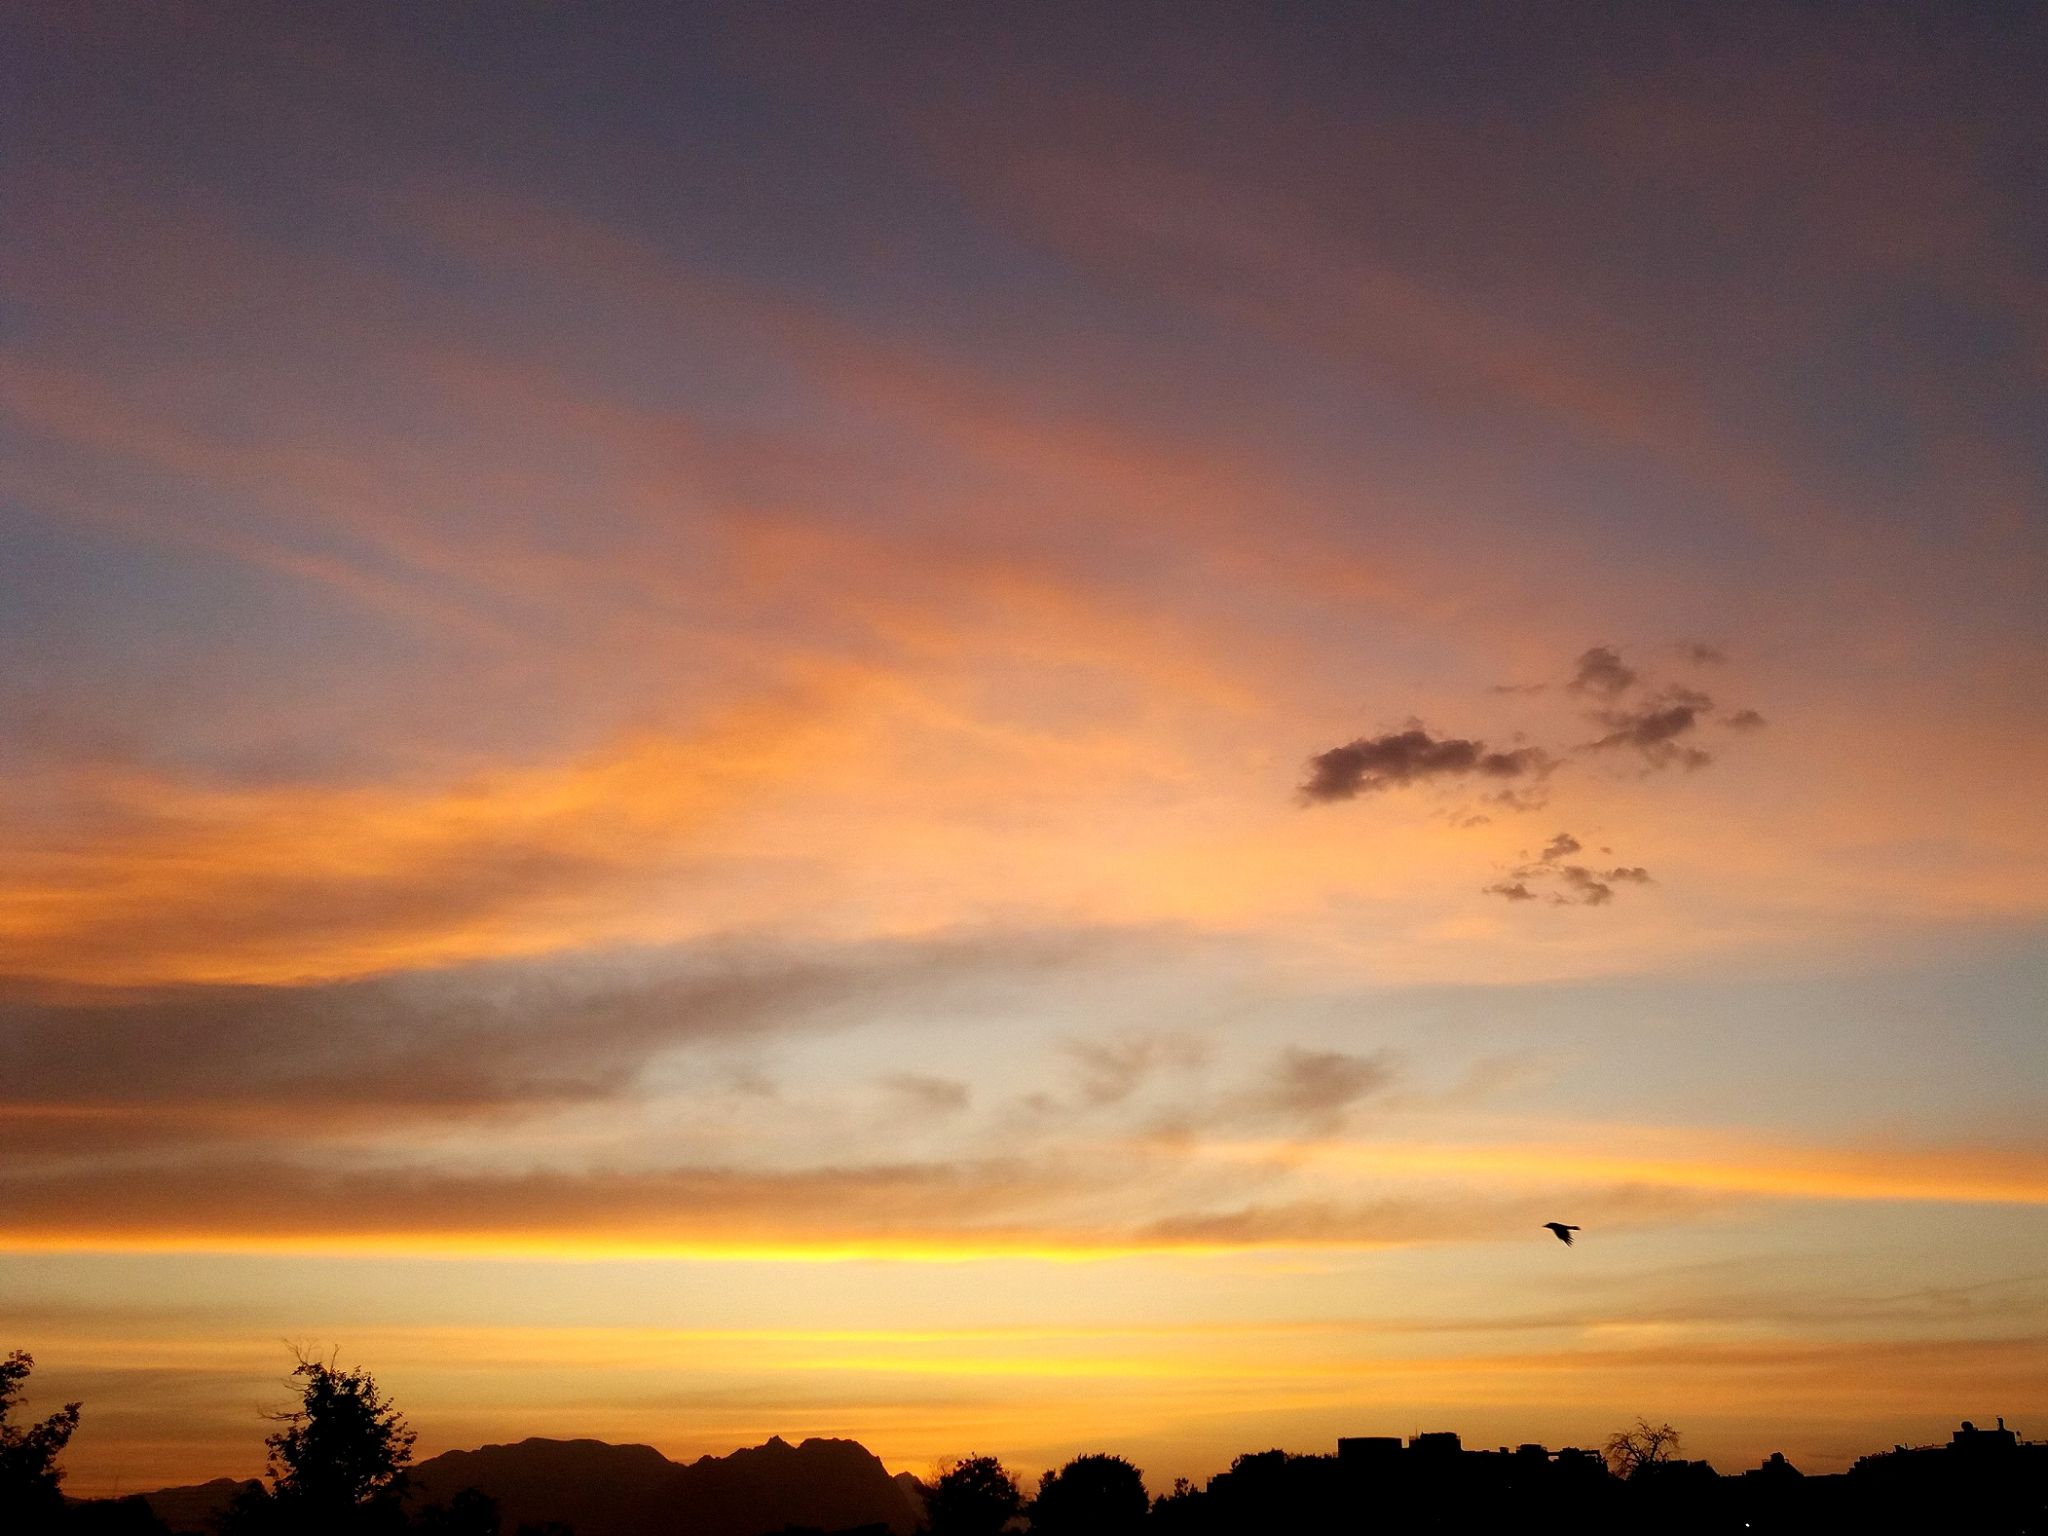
340,1464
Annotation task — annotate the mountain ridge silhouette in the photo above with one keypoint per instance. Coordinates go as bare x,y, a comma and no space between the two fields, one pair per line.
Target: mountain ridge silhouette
601,1489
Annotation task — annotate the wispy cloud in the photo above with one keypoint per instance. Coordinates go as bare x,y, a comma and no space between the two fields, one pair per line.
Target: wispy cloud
939,1095
1111,1069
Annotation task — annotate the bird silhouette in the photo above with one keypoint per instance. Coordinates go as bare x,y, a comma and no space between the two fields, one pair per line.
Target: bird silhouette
1564,1233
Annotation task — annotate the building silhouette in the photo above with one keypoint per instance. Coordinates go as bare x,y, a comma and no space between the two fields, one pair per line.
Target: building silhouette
1986,1481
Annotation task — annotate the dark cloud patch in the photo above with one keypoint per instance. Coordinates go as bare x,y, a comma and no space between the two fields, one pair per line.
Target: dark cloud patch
1371,764
1700,654
1581,887
939,1095
1745,720
1519,688
1656,730
1547,877
1601,671
1649,728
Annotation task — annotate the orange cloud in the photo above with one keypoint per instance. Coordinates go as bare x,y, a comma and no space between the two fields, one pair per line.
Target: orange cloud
157,879
1703,1162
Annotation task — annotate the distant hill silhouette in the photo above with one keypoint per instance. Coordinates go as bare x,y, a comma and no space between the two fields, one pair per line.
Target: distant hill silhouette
634,1490
598,1489
913,1491
196,1507
589,1485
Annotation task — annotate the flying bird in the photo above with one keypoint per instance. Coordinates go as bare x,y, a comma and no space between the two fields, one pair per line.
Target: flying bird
1564,1232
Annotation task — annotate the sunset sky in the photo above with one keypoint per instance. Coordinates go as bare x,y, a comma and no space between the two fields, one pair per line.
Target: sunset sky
1013,728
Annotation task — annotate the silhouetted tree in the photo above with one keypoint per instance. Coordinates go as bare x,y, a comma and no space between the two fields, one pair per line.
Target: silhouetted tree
1090,1496
1180,1510
29,1475
338,1466
1274,1490
1633,1451
976,1496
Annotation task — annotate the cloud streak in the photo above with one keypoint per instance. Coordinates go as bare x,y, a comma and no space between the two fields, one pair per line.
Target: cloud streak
85,1068
1150,1197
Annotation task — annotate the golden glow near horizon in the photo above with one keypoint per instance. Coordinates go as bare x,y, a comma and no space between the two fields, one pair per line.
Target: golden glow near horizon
1026,768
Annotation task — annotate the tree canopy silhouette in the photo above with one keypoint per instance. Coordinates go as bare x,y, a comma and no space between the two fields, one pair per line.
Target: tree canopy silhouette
1090,1496
1641,1448
29,1475
338,1466
976,1496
